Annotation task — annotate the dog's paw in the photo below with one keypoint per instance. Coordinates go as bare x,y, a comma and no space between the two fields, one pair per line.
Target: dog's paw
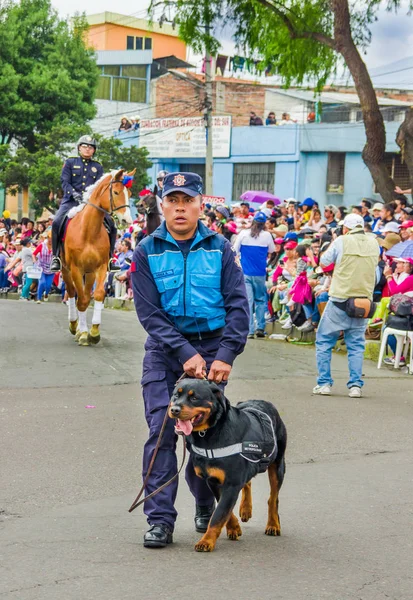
245,513
234,533
204,546
272,531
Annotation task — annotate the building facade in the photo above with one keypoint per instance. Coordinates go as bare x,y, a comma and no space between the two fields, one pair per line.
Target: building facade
318,160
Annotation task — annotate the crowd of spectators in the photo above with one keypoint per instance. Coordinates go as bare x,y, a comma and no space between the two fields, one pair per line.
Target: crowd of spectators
279,245
25,257
272,119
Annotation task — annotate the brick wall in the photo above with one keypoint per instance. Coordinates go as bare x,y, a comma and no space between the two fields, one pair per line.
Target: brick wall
181,96
177,97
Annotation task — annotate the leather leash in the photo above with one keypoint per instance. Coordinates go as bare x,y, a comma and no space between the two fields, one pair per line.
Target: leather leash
138,501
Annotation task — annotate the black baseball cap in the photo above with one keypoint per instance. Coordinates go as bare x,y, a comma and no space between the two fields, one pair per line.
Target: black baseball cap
188,183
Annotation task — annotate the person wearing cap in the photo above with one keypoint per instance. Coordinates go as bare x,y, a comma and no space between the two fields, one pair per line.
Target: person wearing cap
281,230
254,245
330,212
404,230
386,216
390,240
306,206
190,297
355,256
78,173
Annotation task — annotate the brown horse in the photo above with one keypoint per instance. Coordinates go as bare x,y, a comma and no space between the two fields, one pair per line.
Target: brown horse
86,252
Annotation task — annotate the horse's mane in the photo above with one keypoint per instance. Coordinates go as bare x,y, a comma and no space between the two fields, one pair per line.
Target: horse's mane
87,195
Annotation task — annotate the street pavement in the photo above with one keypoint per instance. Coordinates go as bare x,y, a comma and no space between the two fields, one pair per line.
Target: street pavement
69,473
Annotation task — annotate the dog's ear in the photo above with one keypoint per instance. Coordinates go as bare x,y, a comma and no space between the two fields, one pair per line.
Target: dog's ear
219,395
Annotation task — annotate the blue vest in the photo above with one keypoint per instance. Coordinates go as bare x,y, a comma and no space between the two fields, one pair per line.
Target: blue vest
189,287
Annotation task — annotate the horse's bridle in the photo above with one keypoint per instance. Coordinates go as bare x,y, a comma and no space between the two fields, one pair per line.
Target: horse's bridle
112,208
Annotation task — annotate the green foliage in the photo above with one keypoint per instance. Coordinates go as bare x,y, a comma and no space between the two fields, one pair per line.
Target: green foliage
47,74
113,155
41,170
294,38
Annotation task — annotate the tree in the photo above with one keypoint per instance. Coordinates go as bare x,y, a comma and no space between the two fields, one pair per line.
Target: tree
404,139
47,74
300,40
113,155
40,171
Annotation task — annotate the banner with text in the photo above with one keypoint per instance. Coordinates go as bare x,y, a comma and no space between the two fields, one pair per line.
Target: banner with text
185,138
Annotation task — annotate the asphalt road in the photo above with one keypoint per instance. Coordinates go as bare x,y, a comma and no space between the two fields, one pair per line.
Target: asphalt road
69,474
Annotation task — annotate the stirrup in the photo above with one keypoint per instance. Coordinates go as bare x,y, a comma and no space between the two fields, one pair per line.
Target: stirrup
56,270
112,267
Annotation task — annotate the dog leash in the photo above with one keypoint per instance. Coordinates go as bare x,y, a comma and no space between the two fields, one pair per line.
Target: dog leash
138,501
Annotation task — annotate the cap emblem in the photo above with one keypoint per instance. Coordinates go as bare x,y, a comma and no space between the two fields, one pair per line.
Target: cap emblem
179,180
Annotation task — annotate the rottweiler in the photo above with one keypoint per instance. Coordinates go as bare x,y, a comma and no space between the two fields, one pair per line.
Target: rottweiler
229,446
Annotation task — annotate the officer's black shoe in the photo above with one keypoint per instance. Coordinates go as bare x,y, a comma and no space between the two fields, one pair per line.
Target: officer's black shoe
202,517
260,333
55,265
158,536
112,266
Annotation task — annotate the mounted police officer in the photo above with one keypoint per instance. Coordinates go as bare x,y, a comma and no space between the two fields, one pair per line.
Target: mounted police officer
78,173
190,297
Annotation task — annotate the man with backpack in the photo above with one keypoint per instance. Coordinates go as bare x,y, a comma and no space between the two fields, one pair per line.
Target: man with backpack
355,256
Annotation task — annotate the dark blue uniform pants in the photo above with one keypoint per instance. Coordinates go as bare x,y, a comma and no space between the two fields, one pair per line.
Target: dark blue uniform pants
160,373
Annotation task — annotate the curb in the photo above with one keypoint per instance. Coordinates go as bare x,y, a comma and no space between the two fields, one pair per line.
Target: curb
113,303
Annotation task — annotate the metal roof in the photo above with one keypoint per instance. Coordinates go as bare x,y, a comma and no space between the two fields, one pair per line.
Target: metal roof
333,97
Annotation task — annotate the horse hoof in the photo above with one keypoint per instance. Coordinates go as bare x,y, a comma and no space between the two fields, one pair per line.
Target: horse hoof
77,335
83,339
73,327
94,339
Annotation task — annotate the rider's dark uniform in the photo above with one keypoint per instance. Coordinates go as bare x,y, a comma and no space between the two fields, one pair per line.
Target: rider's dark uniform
77,174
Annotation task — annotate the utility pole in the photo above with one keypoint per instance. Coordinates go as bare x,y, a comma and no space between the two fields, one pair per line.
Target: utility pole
209,160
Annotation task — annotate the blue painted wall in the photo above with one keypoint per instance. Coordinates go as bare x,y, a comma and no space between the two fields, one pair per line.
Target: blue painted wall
300,157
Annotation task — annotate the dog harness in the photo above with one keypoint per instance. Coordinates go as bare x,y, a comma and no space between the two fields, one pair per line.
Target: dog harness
261,450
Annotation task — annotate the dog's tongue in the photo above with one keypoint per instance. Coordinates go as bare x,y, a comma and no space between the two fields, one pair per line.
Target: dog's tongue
184,427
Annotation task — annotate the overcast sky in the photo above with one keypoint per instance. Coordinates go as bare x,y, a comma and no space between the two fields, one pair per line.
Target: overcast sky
392,34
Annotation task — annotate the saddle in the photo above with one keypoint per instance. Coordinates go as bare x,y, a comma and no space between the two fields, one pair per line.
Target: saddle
65,223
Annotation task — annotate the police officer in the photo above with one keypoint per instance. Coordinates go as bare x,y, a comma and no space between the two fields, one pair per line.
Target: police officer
190,297
78,173
158,190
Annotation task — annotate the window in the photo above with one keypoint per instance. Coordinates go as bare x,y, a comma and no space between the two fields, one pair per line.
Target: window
103,88
129,42
148,43
193,168
125,83
111,70
397,170
254,176
134,71
120,89
335,172
139,43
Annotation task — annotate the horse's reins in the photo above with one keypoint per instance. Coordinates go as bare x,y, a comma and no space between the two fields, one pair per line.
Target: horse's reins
112,208
137,502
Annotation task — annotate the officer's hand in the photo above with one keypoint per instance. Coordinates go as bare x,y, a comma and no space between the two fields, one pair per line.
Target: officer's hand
195,367
77,196
219,371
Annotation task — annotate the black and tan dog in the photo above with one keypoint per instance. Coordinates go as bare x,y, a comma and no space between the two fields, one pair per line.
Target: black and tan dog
229,446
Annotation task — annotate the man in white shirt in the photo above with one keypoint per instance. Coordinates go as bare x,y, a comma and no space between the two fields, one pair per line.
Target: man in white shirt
254,245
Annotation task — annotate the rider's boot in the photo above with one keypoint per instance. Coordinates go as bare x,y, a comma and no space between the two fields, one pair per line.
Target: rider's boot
55,265
112,266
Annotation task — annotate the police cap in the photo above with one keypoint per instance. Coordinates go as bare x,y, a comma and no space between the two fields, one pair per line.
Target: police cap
187,183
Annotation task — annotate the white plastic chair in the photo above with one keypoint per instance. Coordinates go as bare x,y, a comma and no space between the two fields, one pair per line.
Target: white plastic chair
403,339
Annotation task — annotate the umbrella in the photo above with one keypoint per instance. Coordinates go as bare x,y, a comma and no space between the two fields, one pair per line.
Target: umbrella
259,197
401,250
